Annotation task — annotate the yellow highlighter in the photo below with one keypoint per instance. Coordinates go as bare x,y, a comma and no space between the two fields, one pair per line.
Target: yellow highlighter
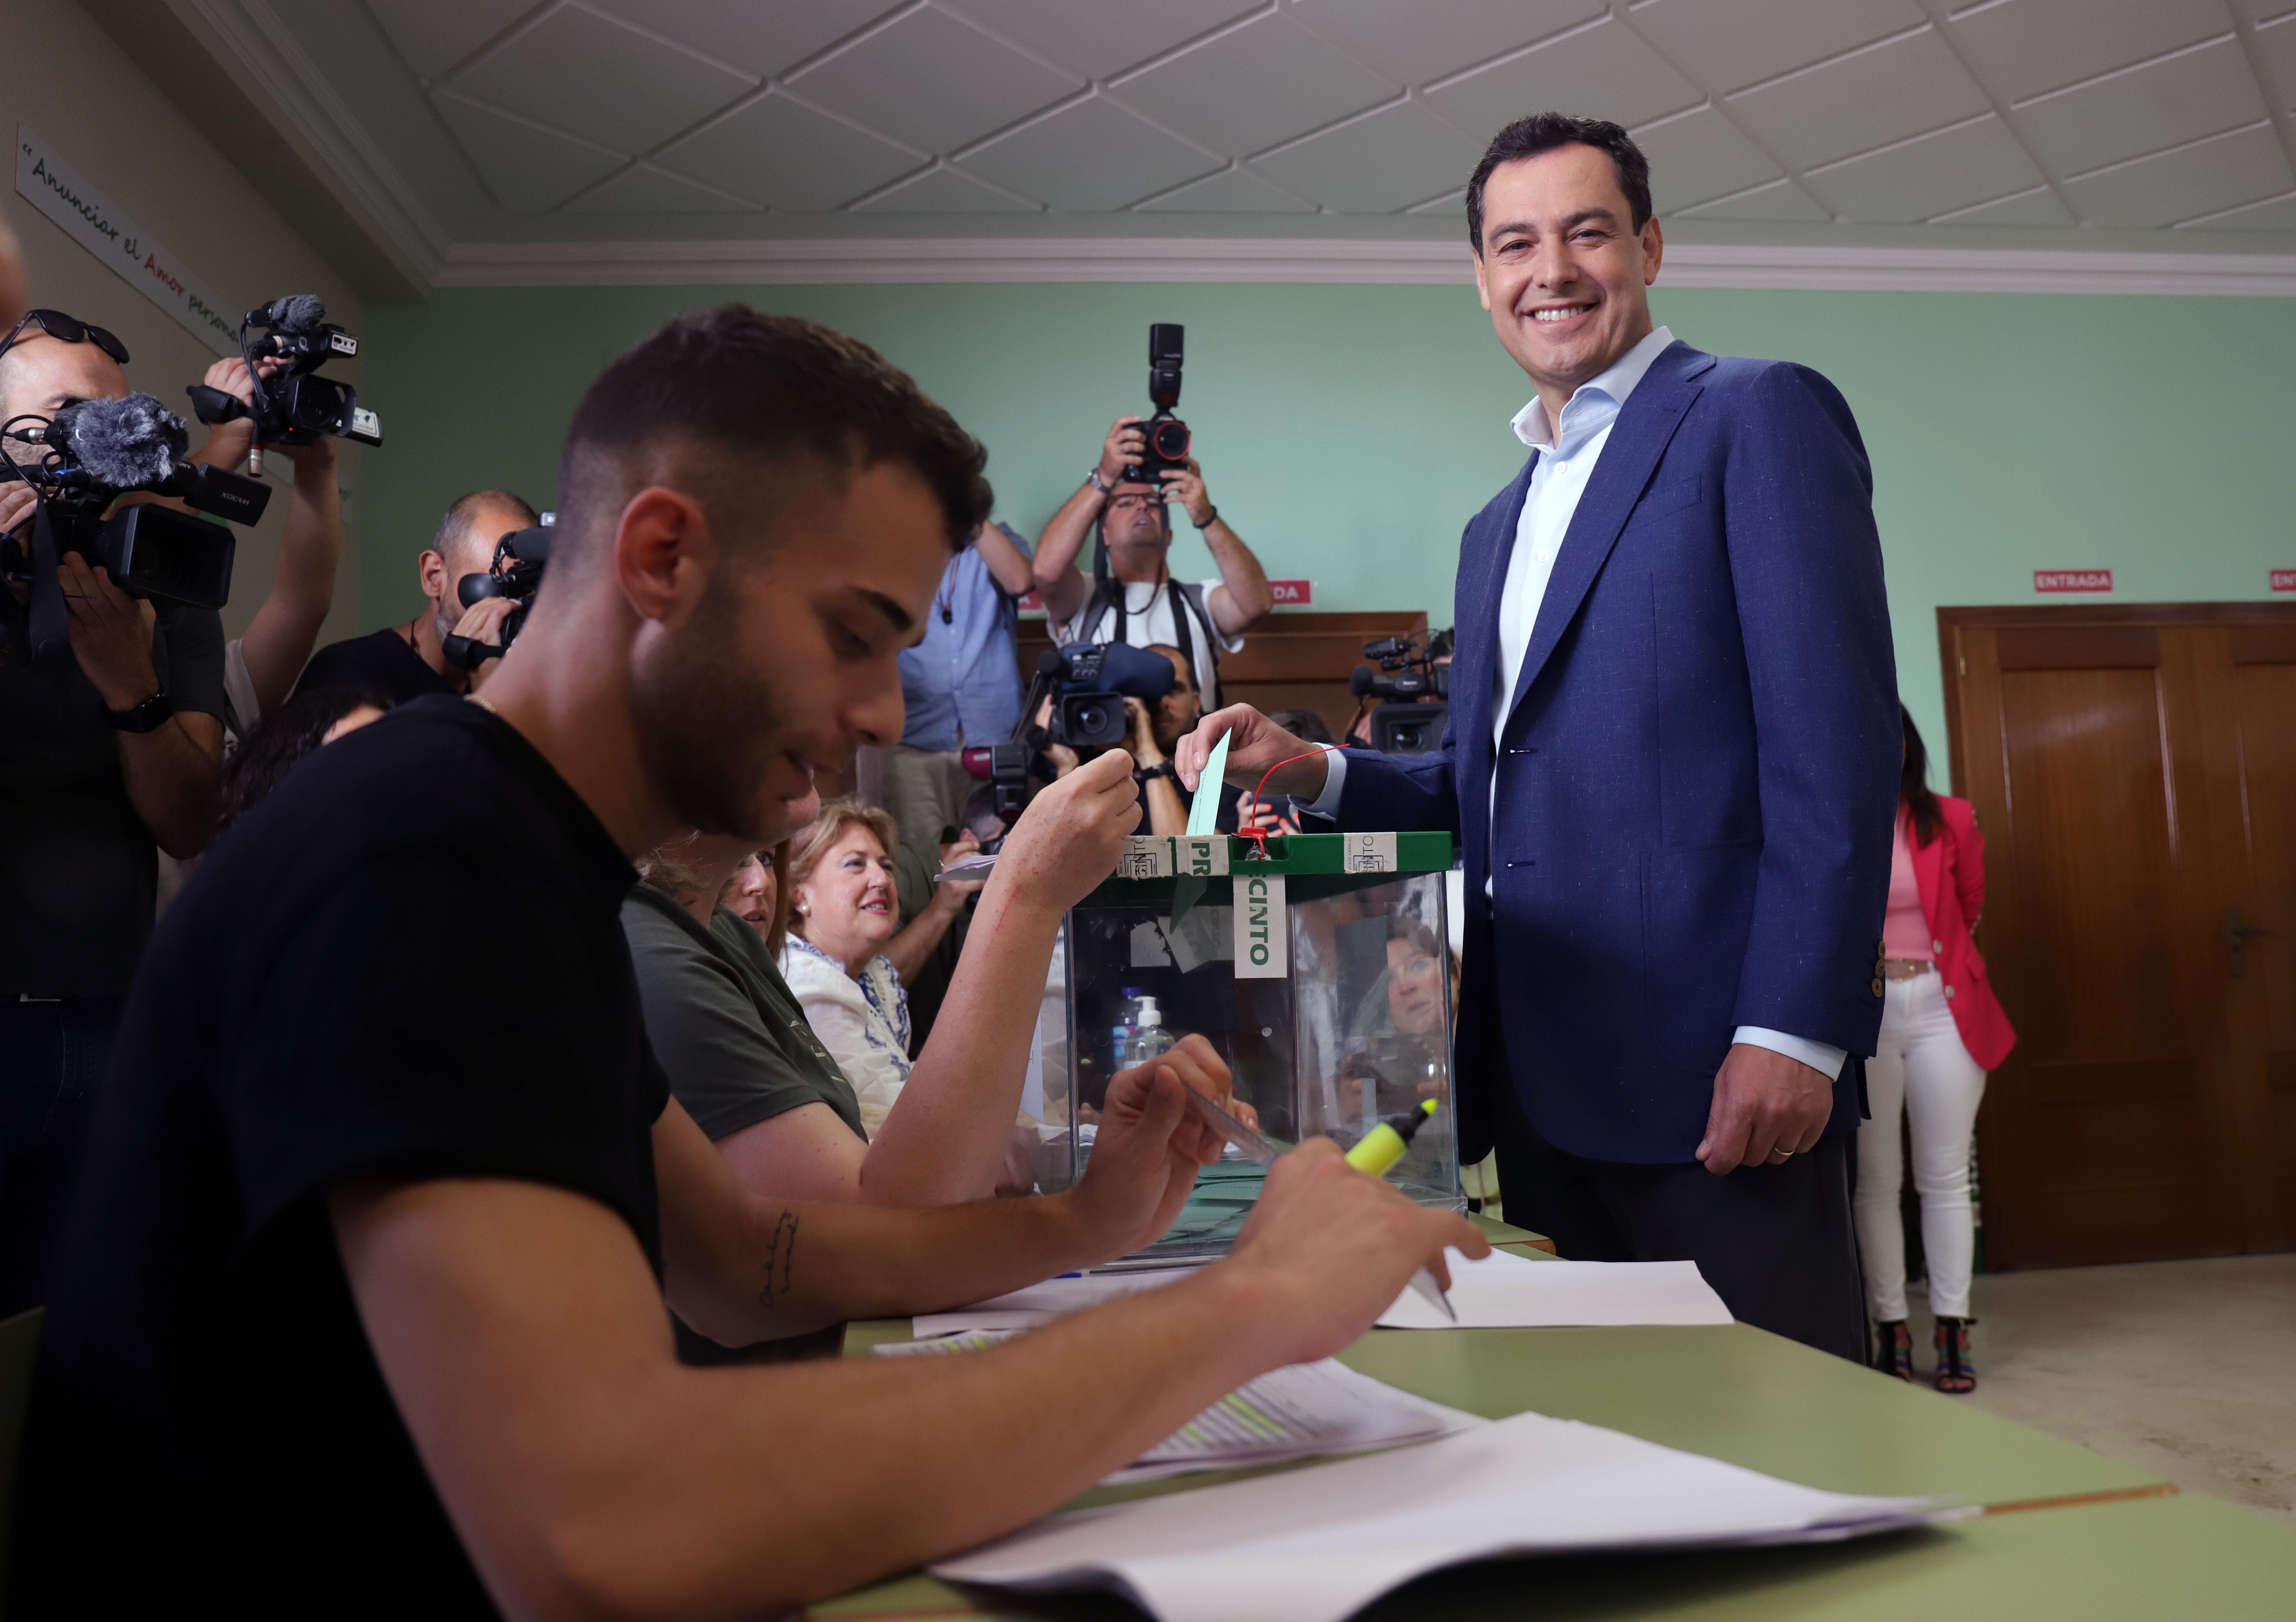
1384,1144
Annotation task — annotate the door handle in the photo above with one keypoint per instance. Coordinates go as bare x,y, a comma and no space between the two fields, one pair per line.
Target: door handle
2236,935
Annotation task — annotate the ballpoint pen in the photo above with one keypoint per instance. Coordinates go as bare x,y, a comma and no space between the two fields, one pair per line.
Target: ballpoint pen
1261,1151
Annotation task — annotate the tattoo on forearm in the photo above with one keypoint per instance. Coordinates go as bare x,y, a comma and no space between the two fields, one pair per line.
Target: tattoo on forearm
780,1250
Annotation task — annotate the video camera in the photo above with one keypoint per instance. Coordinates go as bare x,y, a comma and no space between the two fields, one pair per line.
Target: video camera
1167,435
293,406
1088,683
516,572
97,451
1413,692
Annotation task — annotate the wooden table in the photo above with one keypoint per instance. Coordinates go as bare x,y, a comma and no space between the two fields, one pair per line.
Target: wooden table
2068,1533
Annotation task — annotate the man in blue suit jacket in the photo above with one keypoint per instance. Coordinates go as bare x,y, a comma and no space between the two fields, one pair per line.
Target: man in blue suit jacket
1672,763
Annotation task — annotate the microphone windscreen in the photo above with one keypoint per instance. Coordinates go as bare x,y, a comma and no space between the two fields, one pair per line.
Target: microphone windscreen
122,443
1359,682
296,312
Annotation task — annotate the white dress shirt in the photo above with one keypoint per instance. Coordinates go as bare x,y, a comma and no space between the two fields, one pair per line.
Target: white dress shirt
1569,451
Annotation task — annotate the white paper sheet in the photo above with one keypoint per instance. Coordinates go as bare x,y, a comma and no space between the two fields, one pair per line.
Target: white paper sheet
1040,1303
1304,1411
1317,1544
1504,1291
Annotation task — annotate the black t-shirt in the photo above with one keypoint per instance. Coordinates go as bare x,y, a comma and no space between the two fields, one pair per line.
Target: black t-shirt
78,872
407,962
381,660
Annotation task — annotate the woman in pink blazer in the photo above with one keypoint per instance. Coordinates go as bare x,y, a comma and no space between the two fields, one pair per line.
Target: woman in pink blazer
1942,1029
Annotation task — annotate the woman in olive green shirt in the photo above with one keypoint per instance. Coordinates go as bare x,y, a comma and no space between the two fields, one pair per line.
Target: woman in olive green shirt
749,1069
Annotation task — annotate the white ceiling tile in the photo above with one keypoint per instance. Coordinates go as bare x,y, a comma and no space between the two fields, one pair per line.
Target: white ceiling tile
758,37
1603,71
1781,199
528,169
2036,207
944,191
1230,191
1100,37
1449,203
1929,176
1425,40
2027,46
1254,87
643,189
1698,157
1862,101
931,81
1397,156
2181,99
2276,43
2277,214
1092,155
1731,46
2195,180
433,37
592,77
779,151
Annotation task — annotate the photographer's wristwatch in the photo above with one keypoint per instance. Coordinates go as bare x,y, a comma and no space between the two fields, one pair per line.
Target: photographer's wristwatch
146,717
1092,478
1144,775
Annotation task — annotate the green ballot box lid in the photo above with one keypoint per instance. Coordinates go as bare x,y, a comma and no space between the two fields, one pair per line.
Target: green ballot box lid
1151,871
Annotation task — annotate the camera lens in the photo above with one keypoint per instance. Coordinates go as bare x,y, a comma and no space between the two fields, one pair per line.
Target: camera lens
1092,720
1170,440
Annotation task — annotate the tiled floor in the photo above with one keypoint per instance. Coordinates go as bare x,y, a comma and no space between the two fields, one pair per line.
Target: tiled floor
2184,1368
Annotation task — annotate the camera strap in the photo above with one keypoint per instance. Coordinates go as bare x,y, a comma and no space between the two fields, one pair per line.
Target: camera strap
48,626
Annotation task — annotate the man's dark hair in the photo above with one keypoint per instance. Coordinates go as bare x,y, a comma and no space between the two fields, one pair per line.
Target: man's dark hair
764,388
463,510
1181,665
1306,725
1543,132
275,744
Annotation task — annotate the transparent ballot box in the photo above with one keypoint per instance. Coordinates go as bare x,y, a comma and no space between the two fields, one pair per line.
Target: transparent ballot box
1320,973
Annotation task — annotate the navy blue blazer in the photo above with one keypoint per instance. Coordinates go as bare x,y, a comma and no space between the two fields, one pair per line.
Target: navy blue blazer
1698,774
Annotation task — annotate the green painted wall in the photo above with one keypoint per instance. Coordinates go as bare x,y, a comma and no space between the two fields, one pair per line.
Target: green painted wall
1348,432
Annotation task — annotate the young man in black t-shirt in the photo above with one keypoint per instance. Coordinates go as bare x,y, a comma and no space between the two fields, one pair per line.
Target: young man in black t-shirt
361,1310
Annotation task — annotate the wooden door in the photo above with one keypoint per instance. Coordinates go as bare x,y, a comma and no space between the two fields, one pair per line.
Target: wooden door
2131,768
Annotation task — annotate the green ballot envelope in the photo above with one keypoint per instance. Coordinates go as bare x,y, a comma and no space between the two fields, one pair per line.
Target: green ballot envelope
1321,973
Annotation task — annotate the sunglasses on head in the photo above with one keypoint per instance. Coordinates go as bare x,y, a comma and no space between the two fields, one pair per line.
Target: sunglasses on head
67,329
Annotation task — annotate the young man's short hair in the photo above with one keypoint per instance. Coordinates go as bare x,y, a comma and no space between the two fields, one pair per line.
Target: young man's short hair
763,389
1543,132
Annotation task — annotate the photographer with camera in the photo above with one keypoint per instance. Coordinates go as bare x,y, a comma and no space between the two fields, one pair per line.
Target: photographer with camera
406,662
110,743
1131,597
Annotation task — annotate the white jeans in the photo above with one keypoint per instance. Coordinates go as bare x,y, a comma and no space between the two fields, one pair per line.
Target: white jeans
1921,1072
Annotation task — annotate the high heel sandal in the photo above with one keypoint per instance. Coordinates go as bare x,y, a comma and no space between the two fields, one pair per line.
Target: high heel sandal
1893,1349
1957,1375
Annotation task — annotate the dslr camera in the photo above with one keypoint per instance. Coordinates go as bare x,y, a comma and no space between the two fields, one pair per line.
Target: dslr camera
95,452
1413,691
294,406
1167,435
516,572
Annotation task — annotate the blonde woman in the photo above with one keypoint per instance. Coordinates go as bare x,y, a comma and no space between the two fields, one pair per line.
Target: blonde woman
844,910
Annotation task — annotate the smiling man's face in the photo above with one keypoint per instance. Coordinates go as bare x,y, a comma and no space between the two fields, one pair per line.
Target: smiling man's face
1564,271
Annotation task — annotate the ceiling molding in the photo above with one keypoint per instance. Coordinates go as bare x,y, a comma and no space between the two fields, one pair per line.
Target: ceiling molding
915,260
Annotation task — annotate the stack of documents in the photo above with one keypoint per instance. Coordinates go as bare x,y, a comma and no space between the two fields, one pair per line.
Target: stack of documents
1501,1291
1315,1545
1299,1412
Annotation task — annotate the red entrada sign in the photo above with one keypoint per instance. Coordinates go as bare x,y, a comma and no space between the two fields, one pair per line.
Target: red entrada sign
1293,594
2283,579
2072,579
